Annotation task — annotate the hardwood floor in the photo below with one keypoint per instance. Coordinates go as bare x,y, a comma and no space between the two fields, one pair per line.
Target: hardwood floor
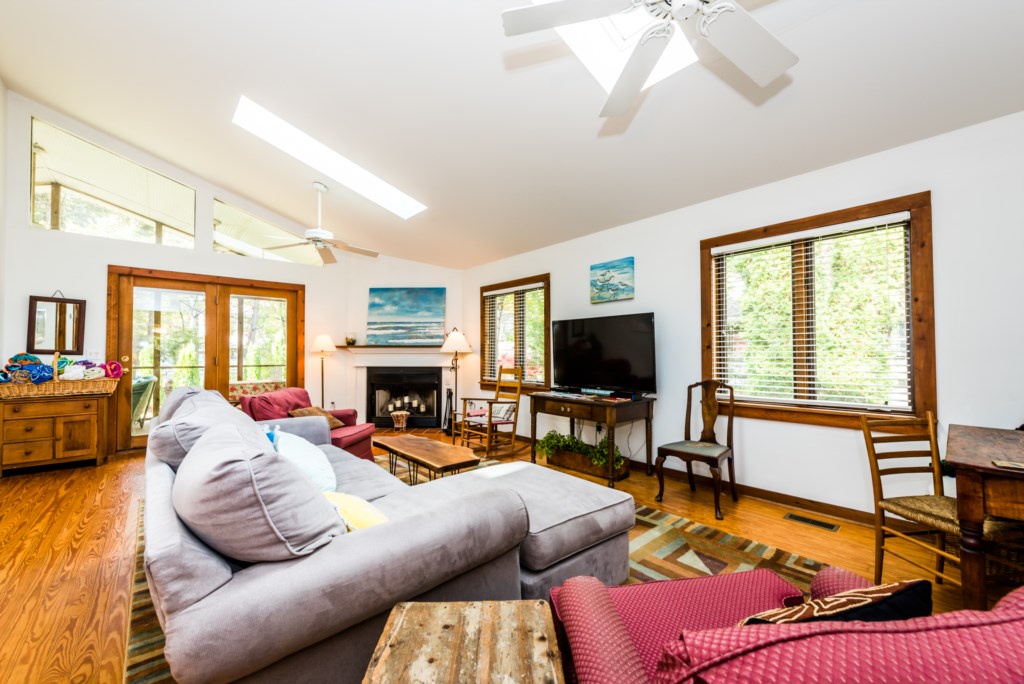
67,544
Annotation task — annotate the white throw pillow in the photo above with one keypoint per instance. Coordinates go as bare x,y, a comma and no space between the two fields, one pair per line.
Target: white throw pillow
310,461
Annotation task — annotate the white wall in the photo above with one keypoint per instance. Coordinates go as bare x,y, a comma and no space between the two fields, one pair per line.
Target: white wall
38,262
3,232
975,175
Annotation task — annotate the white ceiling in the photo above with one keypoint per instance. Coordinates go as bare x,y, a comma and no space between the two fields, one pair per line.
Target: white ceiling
500,136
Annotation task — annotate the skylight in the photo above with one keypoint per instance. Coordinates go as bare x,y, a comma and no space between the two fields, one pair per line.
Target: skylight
604,45
310,151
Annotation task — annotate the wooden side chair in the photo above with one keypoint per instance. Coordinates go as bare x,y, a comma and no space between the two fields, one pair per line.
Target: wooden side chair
706,449
484,420
911,442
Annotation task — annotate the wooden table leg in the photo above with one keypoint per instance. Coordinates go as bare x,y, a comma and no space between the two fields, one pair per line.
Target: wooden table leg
970,497
648,419
533,433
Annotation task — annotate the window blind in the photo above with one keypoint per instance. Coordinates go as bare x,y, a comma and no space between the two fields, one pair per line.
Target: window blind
820,320
513,331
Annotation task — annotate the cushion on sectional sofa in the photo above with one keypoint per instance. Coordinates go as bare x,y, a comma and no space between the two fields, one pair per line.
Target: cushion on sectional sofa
833,579
174,400
243,499
981,646
171,440
305,411
894,601
308,458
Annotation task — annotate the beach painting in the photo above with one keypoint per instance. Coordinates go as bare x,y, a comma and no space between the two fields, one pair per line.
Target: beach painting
406,316
611,281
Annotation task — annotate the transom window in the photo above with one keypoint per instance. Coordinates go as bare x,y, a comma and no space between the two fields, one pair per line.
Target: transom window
829,314
515,320
79,187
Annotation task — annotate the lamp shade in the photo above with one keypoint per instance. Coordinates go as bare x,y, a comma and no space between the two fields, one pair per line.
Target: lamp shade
455,343
324,344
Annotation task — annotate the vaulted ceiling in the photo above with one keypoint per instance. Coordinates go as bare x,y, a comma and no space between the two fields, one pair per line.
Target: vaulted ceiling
500,136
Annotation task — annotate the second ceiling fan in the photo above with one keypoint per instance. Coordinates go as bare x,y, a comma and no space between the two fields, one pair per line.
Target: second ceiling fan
726,27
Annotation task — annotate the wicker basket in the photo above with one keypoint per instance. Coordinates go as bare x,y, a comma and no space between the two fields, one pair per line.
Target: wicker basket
63,388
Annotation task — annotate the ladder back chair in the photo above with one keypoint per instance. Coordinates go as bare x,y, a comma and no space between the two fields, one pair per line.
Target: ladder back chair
486,425
706,448
911,443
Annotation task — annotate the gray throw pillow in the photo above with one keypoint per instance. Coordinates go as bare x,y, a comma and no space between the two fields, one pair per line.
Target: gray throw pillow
177,397
170,441
247,502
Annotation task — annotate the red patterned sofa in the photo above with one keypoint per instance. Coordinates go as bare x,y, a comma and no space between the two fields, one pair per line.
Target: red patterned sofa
353,438
686,631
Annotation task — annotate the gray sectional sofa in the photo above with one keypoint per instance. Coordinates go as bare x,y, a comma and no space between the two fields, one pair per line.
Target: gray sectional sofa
254,576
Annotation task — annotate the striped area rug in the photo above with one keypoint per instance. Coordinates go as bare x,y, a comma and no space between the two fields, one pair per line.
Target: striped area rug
661,546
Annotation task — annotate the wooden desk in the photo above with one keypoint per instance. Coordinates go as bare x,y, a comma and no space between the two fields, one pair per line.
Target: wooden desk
437,457
479,641
982,489
598,410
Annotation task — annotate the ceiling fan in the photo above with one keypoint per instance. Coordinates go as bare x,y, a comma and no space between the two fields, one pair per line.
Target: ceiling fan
322,239
723,24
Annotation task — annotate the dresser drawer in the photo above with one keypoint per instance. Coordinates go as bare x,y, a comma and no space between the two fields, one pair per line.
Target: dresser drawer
573,410
28,452
28,430
62,407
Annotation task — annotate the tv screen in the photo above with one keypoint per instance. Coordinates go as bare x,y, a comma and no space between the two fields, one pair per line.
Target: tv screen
606,353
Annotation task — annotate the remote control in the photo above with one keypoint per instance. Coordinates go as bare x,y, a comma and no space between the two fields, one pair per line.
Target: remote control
1012,465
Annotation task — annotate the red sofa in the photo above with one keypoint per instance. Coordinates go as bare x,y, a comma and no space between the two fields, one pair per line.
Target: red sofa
686,631
353,438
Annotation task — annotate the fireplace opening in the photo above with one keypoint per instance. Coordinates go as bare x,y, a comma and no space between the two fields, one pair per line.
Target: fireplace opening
414,389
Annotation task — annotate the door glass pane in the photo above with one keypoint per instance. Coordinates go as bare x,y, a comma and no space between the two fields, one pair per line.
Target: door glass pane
258,345
168,348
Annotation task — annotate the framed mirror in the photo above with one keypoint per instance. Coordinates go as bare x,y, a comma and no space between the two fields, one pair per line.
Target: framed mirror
55,324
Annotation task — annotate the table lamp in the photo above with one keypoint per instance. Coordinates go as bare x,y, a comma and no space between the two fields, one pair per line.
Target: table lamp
325,346
455,342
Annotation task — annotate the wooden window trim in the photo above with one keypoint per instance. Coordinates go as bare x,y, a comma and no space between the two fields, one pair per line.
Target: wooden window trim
922,308
542,279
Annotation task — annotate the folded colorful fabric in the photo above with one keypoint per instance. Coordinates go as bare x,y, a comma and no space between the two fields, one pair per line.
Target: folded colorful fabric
113,369
85,363
62,364
94,372
39,373
21,377
24,359
4,377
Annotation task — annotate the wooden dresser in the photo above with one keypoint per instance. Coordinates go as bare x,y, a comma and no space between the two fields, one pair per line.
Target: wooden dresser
45,430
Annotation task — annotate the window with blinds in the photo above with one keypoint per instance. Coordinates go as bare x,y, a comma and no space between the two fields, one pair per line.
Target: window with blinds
515,321
820,319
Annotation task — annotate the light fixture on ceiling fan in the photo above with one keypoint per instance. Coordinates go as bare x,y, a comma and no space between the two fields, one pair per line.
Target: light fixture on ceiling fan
722,24
323,239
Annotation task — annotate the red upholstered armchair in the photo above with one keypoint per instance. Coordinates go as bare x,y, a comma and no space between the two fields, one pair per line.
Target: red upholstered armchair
686,631
353,438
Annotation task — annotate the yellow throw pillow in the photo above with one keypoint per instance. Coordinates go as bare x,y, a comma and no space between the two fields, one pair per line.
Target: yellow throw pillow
357,513
332,422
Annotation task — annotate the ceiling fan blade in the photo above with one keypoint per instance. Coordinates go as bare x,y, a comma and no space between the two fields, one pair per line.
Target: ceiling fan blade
326,255
549,15
747,44
341,244
638,68
293,244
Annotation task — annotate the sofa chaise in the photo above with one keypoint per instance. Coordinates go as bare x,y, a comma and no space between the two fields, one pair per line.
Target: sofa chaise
251,581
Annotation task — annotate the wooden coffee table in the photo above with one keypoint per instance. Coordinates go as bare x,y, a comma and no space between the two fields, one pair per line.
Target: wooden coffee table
437,457
478,641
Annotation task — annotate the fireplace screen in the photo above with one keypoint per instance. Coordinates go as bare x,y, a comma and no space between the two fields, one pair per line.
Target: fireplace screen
413,389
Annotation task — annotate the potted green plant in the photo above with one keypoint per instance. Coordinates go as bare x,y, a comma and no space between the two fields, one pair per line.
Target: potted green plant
569,451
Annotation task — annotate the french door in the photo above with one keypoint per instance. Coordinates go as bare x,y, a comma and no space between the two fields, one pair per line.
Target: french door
171,330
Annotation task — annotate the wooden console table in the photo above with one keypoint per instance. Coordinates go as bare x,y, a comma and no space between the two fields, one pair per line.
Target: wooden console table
598,410
479,641
983,489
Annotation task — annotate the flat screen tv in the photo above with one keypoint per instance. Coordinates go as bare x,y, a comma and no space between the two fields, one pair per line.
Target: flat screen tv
613,353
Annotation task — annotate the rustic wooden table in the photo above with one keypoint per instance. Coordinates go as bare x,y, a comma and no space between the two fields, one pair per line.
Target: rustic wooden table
479,641
437,457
